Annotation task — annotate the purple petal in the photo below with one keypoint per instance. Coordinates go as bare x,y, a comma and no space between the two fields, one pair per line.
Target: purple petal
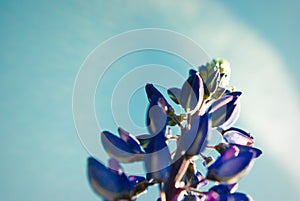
236,197
107,183
229,168
232,151
118,149
212,196
223,189
232,115
136,179
131,140
194,140
158,159
225,111
256,152
113,164
153,95
192,92
192,72
235,93
152,92
156,118
238,136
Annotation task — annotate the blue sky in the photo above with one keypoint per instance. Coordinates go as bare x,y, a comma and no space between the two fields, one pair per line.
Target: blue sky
43,45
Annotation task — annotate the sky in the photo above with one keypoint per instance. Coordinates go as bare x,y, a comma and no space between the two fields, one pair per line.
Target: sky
44,44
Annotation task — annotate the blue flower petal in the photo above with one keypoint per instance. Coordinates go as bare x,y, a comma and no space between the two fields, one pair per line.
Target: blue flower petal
156,120
230,166
224,189
131,140
154,95
136,179
195,139
107,183
225,111
236,197
192,72
157,159
192,93
118,149
237,136
235,149
212,196
256,152
113,164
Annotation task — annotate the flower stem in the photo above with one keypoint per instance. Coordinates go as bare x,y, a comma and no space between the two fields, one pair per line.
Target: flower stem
190,189
184,165
162,193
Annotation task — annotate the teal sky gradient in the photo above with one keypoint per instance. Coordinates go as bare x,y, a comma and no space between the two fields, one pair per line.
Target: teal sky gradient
43,44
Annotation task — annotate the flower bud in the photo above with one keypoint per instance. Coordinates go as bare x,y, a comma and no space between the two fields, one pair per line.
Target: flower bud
118,186
192,92
119,149
195,139
230,166
225,111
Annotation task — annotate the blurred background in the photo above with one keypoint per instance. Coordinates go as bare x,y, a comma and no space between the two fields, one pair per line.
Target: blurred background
44,43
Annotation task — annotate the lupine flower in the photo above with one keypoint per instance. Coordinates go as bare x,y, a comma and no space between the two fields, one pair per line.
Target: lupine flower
131,140
157,158
192,92
237,136
225,111
226,192
222,147
124,151
195,139
108,183
157,120
154,95
224,188
230,166
236,197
